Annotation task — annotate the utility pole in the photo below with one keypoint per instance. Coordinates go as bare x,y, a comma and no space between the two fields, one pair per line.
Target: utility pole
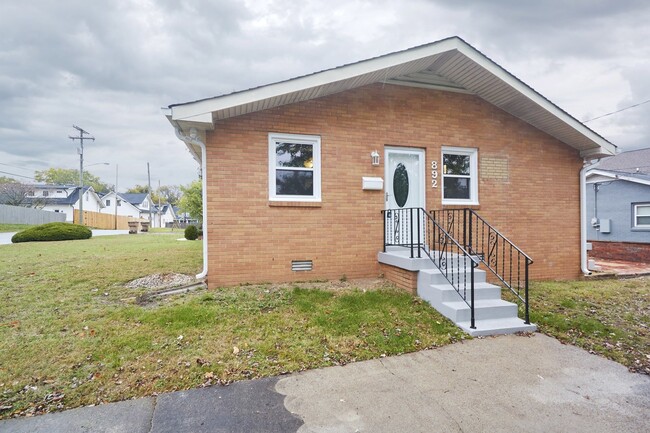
116,196
149,183
159,213
80,151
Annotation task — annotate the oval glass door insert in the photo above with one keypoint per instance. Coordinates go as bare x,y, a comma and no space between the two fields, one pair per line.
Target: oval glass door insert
401,185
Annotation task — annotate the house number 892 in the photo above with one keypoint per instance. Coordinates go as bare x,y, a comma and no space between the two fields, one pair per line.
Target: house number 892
434,174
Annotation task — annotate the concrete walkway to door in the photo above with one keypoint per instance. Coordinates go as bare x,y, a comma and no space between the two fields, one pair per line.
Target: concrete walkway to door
496,384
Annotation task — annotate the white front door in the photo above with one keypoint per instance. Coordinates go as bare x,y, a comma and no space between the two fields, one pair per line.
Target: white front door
404,195
404,178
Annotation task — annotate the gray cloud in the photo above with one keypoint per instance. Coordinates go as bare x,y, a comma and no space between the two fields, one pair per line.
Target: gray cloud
110,66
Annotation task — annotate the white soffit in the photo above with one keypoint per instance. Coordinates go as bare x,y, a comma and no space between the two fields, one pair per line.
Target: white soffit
450,64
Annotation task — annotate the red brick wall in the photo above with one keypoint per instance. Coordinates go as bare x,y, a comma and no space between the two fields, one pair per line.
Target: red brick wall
529,190
627,251
407,280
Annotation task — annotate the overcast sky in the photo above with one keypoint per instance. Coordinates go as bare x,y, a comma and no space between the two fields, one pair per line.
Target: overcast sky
109,66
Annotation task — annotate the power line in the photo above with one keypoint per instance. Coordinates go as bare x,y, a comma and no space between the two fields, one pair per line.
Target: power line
15,166
617,111
14,174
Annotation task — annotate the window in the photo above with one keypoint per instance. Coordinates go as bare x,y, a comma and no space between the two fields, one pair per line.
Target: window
119,202
459,175
294,167
108,202
642,215
46,193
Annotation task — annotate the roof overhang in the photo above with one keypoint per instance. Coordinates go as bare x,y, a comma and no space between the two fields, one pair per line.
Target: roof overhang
598,176
450,64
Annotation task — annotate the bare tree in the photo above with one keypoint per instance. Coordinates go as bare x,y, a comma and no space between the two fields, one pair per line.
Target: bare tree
20,194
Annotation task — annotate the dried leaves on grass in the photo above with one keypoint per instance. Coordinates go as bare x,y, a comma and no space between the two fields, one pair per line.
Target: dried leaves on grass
74,340
607,317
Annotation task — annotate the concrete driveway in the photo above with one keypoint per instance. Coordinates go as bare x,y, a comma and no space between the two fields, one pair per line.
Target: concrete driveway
502,384
5,238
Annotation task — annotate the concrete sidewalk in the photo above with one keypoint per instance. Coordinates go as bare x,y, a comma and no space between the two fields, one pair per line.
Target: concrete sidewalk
502,384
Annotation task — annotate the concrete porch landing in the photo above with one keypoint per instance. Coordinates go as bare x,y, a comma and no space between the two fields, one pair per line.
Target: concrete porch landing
492,314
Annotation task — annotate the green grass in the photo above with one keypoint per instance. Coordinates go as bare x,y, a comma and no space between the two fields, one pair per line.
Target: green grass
68,326
608,317
8,228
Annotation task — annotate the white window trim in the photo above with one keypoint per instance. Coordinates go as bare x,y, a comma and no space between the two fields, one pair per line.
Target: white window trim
473,175
313,140
636,214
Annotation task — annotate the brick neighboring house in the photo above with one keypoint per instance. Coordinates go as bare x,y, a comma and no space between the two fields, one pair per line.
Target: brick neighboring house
292,182
618,207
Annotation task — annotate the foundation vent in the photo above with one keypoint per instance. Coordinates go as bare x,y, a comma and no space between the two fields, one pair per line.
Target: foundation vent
302,265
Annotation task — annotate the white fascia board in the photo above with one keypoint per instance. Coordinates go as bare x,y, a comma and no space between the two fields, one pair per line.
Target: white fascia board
613,176
198,108
605,147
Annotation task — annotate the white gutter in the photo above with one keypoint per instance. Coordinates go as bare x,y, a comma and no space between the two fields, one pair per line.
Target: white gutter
583,216
194,139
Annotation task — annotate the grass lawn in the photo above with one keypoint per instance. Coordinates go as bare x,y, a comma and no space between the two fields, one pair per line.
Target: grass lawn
71,334
609,317
4,228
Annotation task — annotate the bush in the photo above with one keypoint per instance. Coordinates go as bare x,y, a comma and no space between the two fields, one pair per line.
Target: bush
191,233
52,232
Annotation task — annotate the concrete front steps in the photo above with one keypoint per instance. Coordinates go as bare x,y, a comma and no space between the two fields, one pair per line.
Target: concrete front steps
492,314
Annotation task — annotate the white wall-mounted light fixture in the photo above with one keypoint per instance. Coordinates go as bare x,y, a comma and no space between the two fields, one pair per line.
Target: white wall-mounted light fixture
374,156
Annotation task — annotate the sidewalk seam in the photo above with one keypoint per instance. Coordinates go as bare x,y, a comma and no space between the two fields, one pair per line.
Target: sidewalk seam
153,413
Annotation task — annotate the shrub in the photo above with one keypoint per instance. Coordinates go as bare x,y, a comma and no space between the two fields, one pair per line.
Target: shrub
52,232
191,233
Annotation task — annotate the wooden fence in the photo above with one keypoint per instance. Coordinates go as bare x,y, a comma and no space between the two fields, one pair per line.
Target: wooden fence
24,215
104,220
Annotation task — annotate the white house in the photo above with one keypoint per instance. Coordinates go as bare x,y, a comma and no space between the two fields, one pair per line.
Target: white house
137,205
65,199
166,214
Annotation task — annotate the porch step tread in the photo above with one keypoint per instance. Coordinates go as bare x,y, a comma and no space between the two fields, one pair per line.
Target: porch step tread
480,304
484,309
509,325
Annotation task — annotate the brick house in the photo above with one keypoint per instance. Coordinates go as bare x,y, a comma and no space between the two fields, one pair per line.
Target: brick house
296,174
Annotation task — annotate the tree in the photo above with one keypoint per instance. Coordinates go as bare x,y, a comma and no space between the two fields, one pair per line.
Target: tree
5,179
165,194
192,199
69,176
170,194
19,194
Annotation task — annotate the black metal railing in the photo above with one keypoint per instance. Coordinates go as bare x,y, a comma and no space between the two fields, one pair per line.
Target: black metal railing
416,230
503,258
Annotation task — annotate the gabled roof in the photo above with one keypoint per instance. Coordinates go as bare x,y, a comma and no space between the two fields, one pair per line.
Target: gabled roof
134,198
449,64
597,176
633,161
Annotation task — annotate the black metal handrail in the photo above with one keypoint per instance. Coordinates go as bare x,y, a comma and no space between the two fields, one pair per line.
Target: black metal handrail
417,230
507,262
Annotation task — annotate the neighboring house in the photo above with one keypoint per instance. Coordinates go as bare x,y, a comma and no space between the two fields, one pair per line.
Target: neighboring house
166,215
297,174
183,218
618,207
130,204
64,199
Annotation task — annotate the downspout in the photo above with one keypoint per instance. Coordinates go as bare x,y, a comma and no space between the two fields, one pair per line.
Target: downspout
583,216
194,139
